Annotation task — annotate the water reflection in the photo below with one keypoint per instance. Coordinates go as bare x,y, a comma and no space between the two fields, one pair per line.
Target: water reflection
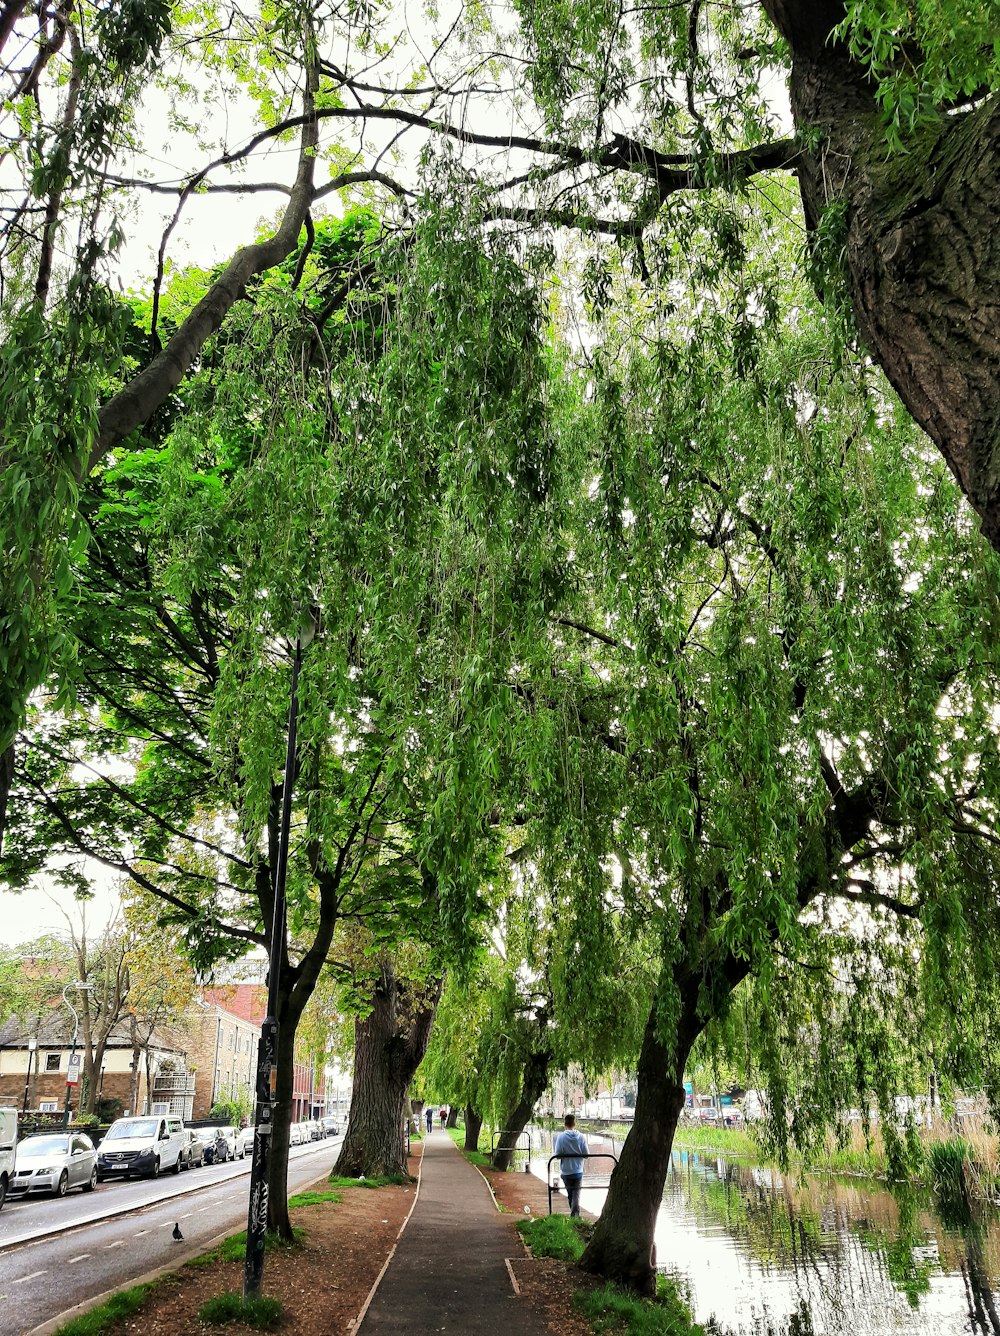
765,1253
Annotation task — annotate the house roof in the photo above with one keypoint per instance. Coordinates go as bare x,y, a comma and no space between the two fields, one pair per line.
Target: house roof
53,1030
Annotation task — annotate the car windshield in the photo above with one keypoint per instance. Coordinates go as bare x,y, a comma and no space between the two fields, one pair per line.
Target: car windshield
43,1146
133,1127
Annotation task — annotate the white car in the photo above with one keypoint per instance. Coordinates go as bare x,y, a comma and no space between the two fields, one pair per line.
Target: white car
8,1140
244,1142
295,1135
55,1162
141,1146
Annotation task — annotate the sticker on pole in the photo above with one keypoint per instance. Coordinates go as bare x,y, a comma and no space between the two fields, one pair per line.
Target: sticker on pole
73,1072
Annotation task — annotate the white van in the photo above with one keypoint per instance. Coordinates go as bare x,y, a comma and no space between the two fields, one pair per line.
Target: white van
8,1141
144,1146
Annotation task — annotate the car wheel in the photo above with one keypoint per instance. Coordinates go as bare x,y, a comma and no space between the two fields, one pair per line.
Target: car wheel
177,1165
3,1192
62,1187
91,1182
156,1168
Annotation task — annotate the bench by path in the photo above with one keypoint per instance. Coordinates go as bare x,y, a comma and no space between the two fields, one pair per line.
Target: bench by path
449,1272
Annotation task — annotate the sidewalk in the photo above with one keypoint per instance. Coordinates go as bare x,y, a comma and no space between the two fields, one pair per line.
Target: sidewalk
449,1272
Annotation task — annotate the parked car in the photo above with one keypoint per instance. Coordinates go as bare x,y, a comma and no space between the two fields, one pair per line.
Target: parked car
193,1149
54,1162
8,1141
140,1146
220,1143
315,1130
295,1135
244,1141
329,1125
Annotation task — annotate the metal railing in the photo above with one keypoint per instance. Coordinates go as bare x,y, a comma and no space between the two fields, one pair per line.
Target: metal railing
594,1181
521,1146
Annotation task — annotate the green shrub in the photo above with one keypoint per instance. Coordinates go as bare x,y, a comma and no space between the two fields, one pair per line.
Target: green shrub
262,1314
555,1236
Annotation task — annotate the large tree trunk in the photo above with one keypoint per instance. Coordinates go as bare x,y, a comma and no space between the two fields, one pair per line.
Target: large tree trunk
473,1126
536,1075
452,1120
622,1247
921,244
388,1046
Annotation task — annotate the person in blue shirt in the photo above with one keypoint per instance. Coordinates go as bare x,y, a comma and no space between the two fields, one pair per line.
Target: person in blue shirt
571,1146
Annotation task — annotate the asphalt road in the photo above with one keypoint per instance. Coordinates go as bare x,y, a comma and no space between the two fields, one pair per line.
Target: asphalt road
80,1255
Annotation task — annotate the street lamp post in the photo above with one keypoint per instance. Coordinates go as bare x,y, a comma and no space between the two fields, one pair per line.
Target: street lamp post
267,1047
32,1045
82,987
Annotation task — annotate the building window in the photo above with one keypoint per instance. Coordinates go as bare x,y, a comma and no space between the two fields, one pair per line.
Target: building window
48,1106
52,1062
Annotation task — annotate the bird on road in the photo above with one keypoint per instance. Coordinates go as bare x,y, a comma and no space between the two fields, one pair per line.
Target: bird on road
177,1236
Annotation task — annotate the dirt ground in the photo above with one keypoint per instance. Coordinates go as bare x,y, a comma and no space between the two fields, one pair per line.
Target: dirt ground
323,1283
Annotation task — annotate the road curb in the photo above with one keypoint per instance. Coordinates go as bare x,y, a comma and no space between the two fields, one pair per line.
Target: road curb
54,1323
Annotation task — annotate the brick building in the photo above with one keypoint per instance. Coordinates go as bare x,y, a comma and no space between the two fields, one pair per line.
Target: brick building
39,1071
210,1057
248,1001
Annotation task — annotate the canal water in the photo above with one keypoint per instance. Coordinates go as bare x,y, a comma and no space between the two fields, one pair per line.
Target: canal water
768,1255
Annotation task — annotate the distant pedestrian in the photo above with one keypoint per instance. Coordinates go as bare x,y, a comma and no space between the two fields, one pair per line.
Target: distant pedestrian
443,1115
571,1146
430,1119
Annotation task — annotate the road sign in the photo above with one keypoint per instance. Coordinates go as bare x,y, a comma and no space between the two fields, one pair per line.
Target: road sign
73,1073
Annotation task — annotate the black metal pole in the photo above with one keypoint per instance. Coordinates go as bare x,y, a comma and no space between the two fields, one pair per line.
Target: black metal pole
267,1048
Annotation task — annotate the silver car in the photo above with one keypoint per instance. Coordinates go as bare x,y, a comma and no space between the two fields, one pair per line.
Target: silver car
54,1163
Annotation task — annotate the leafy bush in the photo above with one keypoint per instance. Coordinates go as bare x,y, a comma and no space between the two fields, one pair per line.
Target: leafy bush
262,1314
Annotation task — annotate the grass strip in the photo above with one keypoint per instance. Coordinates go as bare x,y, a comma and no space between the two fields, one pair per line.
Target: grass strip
382,1181
611,1309
314,1198
261,1313
99,1319
559,1236
476,1157
234,1248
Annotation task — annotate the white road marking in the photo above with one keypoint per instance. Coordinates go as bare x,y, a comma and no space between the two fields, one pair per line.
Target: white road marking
82,1258
21,1279
119,1243
187,1216
139,1233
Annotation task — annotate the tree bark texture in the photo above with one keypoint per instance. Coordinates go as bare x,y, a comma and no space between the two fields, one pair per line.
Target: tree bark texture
621,1248
922,247
536,1076
452,1120
473,1126
388,1045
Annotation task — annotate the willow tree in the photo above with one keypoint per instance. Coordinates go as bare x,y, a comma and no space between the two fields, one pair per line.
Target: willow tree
778,687
656,124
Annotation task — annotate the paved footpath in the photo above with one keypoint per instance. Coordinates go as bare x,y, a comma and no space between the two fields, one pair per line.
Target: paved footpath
449,1272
